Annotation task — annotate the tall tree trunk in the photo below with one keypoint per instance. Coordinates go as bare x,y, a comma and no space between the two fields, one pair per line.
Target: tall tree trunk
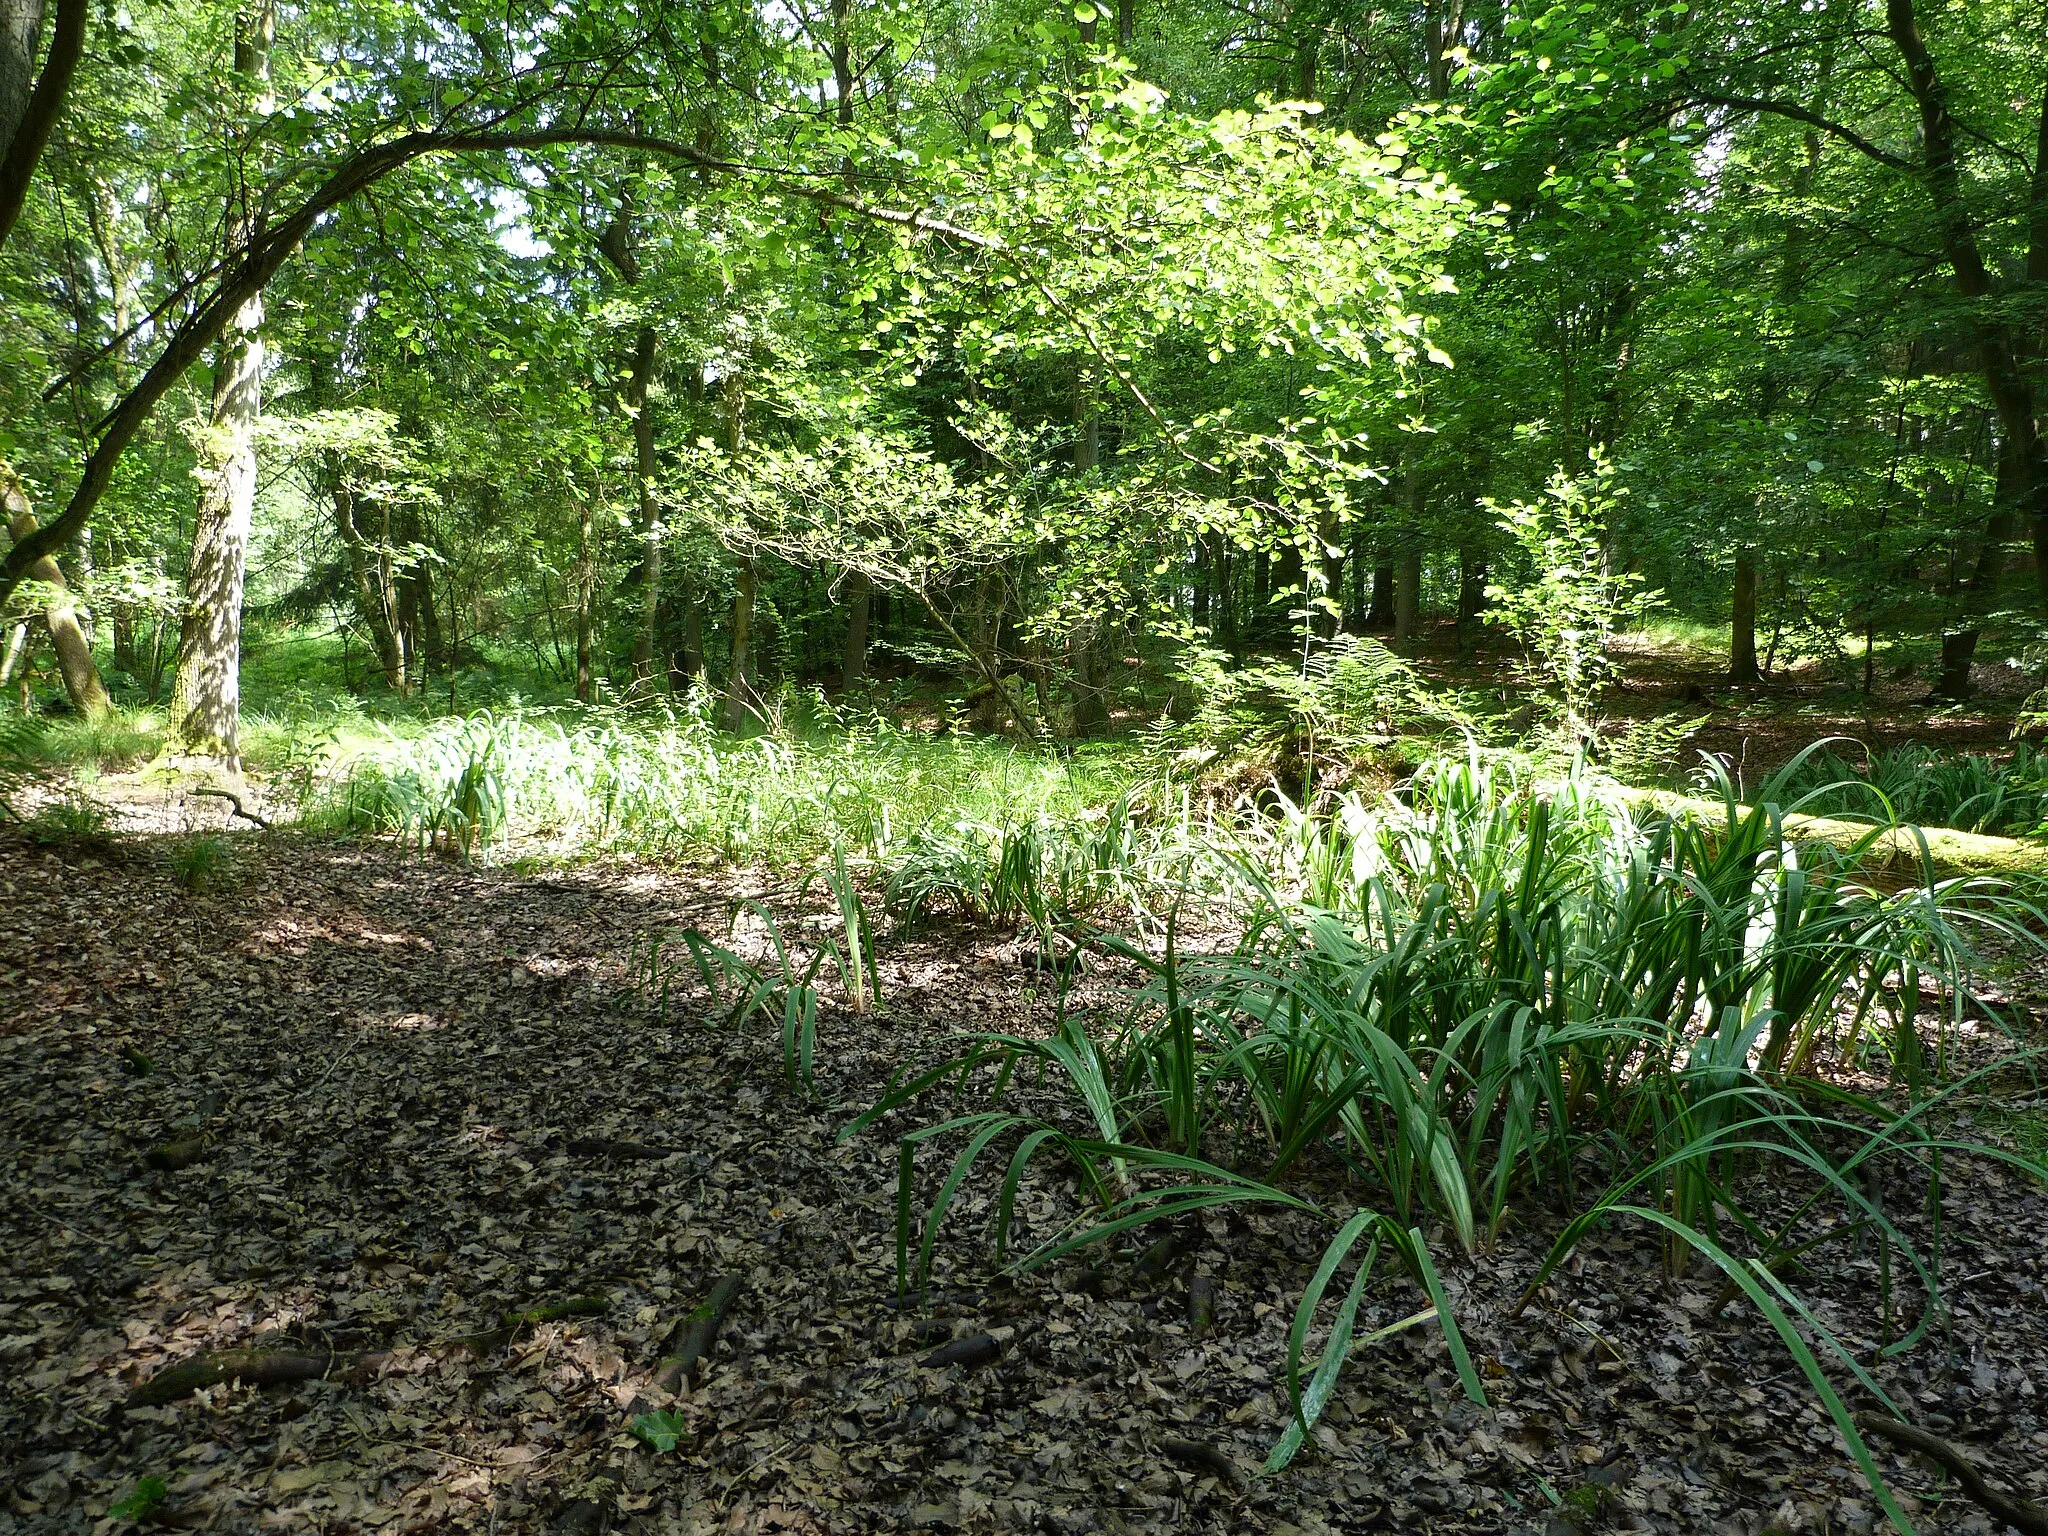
1379,613
74,651
1742,668
206,697
693,639
586,595
370,569
1332,566
1091,696
854,660
2001,348
1407,598
1471,598
739,684
638,391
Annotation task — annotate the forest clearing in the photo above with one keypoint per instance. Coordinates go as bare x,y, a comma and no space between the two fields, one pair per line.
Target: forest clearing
1196,765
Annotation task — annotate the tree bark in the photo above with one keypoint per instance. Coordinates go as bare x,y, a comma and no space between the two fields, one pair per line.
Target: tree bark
638,390
206,695
28,116
854,662
586,595
1471,598
1742,668
1379,614
375,599
1407,598
82,683
2001,350
739,687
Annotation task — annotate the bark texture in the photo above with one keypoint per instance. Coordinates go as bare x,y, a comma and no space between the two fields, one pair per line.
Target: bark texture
82,683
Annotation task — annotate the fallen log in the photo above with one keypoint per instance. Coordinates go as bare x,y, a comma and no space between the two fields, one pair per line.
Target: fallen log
2023,1515
974,1351
704,1324
1896,850
258,1367
632,1151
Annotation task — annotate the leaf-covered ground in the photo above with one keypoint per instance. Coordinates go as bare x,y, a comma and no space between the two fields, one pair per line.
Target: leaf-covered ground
423,1097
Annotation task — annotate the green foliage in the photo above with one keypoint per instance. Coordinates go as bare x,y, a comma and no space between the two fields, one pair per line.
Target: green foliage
72,817
1571,602
661,1432
1925,786
202,863
1323,717
665,782
149,1495
1482,989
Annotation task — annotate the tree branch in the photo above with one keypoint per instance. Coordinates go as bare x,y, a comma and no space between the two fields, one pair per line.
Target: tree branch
45,105
355,175
1799,114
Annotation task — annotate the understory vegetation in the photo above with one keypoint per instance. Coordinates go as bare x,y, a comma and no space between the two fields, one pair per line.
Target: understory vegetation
1452,599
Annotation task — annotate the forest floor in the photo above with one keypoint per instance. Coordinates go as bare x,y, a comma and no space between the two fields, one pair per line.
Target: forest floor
423,1096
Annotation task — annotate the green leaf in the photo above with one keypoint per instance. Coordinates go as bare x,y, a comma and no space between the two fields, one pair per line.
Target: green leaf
661,1431
145,1499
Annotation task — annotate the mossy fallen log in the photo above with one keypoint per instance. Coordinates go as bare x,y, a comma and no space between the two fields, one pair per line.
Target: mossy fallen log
1897,851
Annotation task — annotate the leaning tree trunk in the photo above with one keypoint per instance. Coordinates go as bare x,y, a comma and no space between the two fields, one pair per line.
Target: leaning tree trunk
74,652
206,697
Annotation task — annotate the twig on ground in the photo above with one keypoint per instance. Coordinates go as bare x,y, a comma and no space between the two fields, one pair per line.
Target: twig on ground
2022,1515
234,800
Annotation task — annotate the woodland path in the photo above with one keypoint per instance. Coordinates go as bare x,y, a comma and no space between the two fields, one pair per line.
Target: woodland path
429,1096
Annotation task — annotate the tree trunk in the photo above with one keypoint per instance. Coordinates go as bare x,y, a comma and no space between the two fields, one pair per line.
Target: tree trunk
29,113
1471,598
693,639
206,696
1407,598
637,397
854,662
739,687
74,652
1091,698
1380,613
586,596
375,599
1742,668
